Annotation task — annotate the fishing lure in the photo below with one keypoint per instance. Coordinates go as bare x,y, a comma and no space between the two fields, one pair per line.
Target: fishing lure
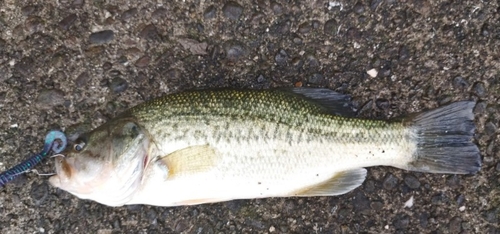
55,142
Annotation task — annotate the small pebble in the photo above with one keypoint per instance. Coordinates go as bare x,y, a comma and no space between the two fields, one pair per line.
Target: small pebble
25,66
39,192
390,182
257,224
402,222
480,108
404,53
460,199
195,47
281,28
453,181
491,147
409,203
261,78
122,59
377,205
369,186
359,8
424,219
281,57
374,4
149,32
257,18
49,98
316,78
3,43
382,103
94,51
490,128
106,66
82,79
412,182
67,22
28,10
232,10
297,40
491,215
316,24
439,198
454,225
78,3
361,203
143,61
235,50
460,83
305,28
159,14
34,24
181,226
210,12
277,8
372,72
128,14
118,85
117,224
152,216
114,73
331,27
312,61
297,62
485,30
102,37
479,89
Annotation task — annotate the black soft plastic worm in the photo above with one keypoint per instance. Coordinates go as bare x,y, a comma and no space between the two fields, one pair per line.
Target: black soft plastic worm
55,142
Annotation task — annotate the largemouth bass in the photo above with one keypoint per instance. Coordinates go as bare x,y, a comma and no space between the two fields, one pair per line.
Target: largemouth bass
218,145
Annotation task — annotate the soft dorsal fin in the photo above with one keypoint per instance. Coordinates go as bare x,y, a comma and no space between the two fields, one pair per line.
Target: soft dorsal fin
342,182
333,102
190,160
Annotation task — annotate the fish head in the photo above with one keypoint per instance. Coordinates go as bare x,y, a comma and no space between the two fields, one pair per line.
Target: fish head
105,165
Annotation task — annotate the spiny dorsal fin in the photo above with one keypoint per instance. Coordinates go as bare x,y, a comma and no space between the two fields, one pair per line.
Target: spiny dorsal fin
333,102
190,160
342,182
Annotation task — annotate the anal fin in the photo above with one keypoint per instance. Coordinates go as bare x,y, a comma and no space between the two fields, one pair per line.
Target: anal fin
200,201
342,182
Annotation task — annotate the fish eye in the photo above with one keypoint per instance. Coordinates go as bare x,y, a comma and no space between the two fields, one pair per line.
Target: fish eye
79,145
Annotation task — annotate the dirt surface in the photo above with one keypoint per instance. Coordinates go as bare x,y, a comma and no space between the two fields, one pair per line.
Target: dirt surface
73,64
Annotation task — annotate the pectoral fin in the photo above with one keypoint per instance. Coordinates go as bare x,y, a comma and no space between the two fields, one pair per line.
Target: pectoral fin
342,182
190,160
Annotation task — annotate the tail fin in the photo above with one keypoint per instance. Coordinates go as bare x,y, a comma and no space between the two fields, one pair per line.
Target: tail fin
443,137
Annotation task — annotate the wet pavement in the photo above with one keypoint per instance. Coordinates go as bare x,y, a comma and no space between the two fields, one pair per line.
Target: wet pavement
73,64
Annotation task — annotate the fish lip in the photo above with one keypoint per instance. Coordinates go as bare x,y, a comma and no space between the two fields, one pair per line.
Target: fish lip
58,166
56,180
60,172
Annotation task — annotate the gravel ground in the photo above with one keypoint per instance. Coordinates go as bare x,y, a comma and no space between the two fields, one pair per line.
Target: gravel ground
74,64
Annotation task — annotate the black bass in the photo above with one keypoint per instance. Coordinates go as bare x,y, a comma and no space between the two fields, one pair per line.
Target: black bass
212,146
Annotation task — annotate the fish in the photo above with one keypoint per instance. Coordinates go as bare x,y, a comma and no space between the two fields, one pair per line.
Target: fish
208,146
